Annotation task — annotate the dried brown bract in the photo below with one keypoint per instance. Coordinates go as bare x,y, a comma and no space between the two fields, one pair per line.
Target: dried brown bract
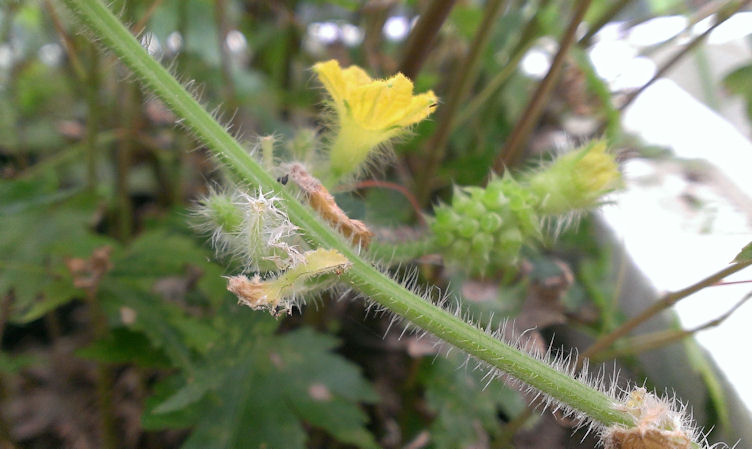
652,438
658,425
323,202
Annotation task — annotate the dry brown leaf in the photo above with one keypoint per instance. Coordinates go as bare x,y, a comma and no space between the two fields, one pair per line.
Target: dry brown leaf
650,438
88,272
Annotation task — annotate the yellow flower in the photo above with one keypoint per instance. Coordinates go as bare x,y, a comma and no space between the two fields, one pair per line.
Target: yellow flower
369,112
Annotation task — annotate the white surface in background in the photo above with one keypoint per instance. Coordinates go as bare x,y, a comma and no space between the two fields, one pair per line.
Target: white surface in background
236,41
323,32
535,63
735,28
672,244
351,34
656,30
665,114
150,42
174,42
396,28
647,218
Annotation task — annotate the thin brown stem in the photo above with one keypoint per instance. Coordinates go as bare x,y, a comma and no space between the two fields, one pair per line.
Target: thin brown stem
225,56
92,117
721,284
104,378
99,329
527,38
606,17
131,118
423,36
141,24
65,40
510,429
659,339
516,141
462,81
392,186
722,17
5,435
660,305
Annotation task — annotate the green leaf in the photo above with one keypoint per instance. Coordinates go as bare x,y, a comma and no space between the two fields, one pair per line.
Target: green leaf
739,82
41,227
255,390
12,364
190,393
167,326
466,19
158,253
387,208
249,412
745,254
461,402
182,418
158,260
350,5
125,346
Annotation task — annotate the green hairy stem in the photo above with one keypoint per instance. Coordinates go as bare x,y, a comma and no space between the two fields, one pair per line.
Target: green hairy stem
111,34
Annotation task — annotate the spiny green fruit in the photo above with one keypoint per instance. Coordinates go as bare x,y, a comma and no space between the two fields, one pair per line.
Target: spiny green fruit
484,228
249,228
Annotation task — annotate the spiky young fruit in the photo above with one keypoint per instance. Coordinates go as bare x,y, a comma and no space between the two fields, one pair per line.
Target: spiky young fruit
251,229
484,228
221,212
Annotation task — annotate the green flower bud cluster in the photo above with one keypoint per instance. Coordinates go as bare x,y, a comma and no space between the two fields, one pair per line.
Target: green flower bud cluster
485,228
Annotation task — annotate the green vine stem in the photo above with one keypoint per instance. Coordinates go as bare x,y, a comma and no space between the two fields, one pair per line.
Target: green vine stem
108,30
392,253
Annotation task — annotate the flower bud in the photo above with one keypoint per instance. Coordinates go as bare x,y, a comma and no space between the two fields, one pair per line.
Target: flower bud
576,181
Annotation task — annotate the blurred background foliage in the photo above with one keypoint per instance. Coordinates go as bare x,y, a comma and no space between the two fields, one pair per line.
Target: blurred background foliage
117,329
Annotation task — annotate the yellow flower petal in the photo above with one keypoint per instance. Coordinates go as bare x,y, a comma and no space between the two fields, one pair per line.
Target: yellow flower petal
355,76
369,112
421,107
374,104
331,76
381,104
